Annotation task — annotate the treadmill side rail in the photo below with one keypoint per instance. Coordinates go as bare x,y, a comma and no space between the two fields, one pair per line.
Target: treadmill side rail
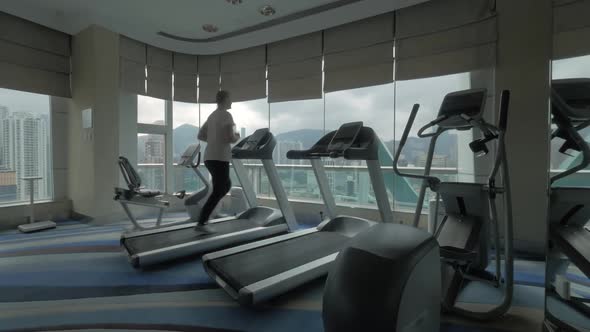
171,227
193,247
283,282
253,245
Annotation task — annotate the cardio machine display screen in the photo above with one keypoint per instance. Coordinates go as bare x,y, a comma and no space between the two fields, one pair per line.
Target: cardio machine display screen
345,136
190,154
469,103
254,139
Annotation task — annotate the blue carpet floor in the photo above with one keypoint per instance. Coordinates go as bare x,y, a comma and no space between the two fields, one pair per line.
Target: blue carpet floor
76,277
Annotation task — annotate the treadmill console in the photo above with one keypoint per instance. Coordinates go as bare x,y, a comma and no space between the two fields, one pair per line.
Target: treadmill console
259,145
462,103
189,155
345,136
254,141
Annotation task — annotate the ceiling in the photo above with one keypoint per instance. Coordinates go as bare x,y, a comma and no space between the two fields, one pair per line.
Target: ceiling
239,26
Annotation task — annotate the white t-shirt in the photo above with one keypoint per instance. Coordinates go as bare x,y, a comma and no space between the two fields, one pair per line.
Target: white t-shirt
218,132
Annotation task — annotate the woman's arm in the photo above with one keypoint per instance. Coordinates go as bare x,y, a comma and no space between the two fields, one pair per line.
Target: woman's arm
202,136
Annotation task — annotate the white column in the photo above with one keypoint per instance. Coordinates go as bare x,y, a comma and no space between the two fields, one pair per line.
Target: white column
524,55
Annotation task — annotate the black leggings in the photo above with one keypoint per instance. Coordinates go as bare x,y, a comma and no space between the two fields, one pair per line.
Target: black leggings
219,171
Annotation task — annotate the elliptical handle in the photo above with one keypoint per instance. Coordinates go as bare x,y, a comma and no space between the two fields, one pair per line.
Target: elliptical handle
431,180
504,103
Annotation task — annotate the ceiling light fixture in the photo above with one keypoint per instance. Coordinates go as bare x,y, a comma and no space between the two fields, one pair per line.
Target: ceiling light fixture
234,2
210,28
267,10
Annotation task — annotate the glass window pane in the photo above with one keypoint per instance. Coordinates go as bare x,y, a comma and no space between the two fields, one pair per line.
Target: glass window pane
248,116
150,160
429,93
578,67
25,145
374,106
185,127
297,125
151,110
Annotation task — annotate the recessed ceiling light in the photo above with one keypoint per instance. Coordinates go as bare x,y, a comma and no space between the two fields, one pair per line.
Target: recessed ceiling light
234,2
267,10
210,28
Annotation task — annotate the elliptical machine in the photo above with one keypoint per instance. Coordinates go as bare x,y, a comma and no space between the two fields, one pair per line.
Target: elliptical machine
395,277
567,307
137,194
471,209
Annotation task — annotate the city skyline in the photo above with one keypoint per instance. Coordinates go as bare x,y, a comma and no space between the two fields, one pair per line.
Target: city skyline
24,152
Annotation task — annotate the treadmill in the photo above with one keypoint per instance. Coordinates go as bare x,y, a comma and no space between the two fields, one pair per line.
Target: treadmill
257,222
567,308
258,271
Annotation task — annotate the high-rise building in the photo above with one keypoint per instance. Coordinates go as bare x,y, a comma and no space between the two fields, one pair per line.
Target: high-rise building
154,149
6,132
31,153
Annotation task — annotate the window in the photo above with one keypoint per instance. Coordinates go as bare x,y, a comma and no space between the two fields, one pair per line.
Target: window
578,67
429,93
297,125
151,157
185,128
373,105
25,146
151,110
152,142
249,116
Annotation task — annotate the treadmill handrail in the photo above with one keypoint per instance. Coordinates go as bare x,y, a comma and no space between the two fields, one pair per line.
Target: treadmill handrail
431,180
565,124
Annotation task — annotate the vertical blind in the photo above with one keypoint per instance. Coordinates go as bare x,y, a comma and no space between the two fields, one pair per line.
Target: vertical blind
159,73
359,54
243,73
132,65
571,28
185,78
295,68
208,78
34,58
438,37
445,37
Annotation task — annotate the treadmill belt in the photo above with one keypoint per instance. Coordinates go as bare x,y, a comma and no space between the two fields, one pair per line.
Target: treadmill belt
170,238
574,241
248,267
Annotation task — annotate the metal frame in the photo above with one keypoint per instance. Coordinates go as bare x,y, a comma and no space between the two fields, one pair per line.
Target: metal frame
558,286
500,165
320,174
280,194
378,183
247,186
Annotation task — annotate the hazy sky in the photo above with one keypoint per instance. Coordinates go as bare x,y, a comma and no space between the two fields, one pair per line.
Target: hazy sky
18,101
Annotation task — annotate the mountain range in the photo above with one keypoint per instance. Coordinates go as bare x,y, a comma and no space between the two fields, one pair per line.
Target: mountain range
415,147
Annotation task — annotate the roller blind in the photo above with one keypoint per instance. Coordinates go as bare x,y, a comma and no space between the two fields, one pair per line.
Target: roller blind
208,78
571,28
185,78
359,54
295,68
243,73
33,58
132,65
445,37
159,73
